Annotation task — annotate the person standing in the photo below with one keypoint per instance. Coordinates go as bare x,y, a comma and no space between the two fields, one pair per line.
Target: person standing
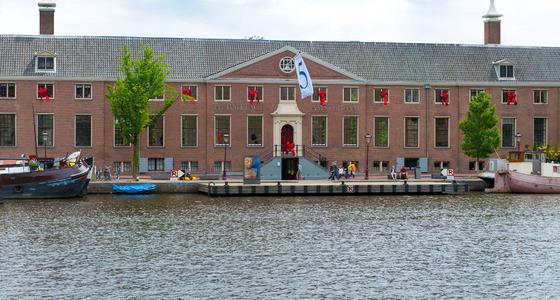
300,171
352,170
334,171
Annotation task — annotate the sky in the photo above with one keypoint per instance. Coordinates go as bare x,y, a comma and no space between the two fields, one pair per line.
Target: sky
525,23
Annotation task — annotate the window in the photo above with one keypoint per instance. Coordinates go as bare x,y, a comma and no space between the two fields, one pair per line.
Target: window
474,93
380,166
45,130
350,94
193,90
189,126
189,166
505,93
159,97
222,126
45,64
539,131
156,164
122,166
287,64
381,127
83,91
259,90
508,132
7,130
442,132
287,93
219,166
316,91
222,93
49,87
410,162
440,165
350,131
156,133
319,131
254,131
7,90
119,138
506,71
411,132
377,98
411,96
83,131
540,96
472,164
438,93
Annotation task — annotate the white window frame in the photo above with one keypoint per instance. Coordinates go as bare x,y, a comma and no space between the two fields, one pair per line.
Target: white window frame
540,90
442,89
326,131
499,71
196,90
45,84
280,93
7,90
475,89
357,145
404,95
84,98
216,137
502,132
388,131
255,86
417,132
261,145
319,88
148,135
114,140
216,92
40,133
196,145
357,95
15,130
448,132
375,94
37,70
291,61
545,128
90,130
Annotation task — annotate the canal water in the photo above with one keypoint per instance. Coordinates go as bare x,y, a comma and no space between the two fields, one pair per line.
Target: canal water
193,247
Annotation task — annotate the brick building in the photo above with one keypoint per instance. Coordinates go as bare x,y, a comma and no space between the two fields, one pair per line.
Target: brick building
413,128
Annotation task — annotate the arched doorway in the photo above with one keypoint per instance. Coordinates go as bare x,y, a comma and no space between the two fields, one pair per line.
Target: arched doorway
287,134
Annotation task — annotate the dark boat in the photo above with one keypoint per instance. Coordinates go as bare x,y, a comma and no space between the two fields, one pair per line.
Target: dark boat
133,188
65,182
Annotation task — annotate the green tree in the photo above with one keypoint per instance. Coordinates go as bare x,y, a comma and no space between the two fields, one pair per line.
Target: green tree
481,137
142,79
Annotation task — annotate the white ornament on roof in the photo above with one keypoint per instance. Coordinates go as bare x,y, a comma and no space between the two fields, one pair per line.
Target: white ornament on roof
492,14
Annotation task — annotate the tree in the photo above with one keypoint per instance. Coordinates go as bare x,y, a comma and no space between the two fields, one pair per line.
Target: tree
143,79
481,137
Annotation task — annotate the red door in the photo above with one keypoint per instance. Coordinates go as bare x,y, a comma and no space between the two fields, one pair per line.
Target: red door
287,134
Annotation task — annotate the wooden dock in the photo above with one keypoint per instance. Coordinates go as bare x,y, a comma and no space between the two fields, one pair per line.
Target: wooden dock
323,187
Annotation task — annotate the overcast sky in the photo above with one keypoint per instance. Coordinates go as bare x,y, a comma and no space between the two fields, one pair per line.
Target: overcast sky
527,23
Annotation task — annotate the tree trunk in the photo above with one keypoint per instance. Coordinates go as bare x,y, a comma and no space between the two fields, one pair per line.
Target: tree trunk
136,158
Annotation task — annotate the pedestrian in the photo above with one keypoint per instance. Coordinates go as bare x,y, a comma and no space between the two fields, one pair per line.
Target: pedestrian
300,171
340,172
352,170
393,173
334,171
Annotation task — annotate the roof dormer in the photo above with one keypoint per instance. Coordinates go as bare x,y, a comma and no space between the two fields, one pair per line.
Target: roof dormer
45,62
504,69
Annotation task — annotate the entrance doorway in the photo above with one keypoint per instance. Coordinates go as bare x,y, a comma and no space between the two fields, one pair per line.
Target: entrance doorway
287,134
289,168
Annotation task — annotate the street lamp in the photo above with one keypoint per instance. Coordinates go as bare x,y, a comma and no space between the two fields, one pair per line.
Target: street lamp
368,141
45,137
226,144
518,140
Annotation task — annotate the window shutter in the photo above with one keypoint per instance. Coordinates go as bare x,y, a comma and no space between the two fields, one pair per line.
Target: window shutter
143,164
400,163
168,164
423,164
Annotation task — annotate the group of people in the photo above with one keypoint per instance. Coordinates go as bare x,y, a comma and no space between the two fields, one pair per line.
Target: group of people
348,171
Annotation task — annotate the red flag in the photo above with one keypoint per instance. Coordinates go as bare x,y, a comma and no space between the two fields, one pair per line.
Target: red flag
511,98
43,93
188,94
322,95
253,95
444,96
384,94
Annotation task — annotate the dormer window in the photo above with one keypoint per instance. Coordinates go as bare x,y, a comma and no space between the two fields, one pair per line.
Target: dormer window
504,69
45,62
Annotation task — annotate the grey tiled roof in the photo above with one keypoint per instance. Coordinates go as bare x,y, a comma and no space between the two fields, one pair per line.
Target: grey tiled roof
98,57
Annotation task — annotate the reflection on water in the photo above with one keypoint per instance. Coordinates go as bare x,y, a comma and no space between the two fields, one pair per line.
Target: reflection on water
190,246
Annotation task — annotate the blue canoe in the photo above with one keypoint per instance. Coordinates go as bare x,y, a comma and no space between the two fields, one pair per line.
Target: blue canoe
133,189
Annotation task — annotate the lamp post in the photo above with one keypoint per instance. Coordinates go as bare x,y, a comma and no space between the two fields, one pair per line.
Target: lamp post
226,144
518,140
45,137
368,141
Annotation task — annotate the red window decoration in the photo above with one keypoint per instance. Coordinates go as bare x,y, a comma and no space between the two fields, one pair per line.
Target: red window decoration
253,95
43,93
511,97
385,95
289,147
322,95
444,96
187,94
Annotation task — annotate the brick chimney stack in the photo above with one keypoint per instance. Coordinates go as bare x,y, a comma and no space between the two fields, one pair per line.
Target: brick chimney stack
492,30
46,17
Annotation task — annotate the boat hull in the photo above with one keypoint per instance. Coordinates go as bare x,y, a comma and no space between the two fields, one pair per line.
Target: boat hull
516,182
56,183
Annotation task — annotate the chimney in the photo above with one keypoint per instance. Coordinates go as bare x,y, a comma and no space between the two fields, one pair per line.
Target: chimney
492,31
46,16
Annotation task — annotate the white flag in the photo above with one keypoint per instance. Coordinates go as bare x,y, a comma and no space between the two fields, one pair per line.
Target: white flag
305,84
